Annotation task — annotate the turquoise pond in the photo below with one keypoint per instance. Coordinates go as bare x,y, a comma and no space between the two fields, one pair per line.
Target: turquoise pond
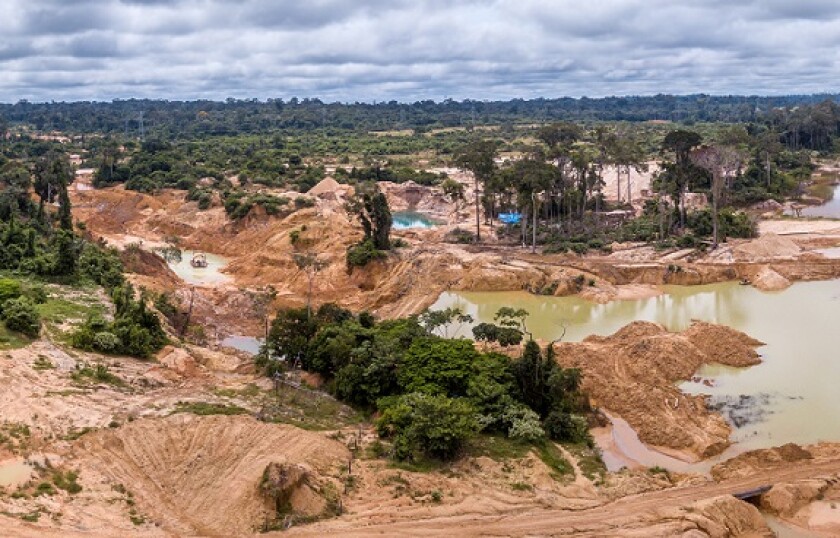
404,220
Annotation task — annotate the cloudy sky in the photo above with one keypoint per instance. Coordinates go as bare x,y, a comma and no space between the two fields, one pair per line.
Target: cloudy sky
368,50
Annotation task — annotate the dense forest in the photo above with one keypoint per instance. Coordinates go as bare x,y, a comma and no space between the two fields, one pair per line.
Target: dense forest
197,118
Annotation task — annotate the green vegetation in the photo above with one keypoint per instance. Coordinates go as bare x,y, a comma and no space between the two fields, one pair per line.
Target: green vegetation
20,315
434,395
136,330
38,244
86,374
371,207
208,408
300,124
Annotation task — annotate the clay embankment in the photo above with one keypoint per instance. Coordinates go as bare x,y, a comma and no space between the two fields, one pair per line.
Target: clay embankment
261,252
634,372
698,508
809,504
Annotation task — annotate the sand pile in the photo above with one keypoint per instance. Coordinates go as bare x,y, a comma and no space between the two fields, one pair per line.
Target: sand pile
769,246
769,280
326,187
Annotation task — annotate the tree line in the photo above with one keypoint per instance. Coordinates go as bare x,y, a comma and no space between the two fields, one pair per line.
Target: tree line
557,184
174,119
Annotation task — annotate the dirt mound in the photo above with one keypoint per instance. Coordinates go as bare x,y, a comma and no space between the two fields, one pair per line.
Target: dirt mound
726,516
633,374
767,246
769,280
788,498
326,187
142,262
756,460
204,474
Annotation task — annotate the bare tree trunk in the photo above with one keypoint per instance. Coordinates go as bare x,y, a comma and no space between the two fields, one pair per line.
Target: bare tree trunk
618,179
186,324
477,213
716,188
534,225
769,174
629,187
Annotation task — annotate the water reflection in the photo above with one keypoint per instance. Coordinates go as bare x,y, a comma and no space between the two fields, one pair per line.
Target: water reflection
830,209
801,365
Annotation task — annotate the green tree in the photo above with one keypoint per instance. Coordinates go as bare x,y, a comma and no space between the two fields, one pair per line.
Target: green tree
309,263
723,163
20,315
680,143
370,205
66,253
52,171
454,190
426,425
478,157
290,334
441,320
437,366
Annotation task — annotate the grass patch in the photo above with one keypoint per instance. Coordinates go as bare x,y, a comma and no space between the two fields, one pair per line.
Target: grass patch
521,486
12,340
589,461
68,481
42,363
66,392
249,391
74,434
554,460
660,471
61,310
87,374
498,447
425,465
207,408
308,410
14,436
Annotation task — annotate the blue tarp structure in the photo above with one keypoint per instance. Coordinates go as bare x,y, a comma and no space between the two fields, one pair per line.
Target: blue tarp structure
510,218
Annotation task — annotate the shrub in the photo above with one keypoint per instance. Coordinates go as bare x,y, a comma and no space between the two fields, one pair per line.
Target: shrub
106,342
562,426
9,289
438,366
424,425
460,235
362,254
20,315
205,200
523,423
304,201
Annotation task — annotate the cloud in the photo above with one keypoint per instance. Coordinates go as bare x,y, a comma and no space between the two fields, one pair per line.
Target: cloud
414,49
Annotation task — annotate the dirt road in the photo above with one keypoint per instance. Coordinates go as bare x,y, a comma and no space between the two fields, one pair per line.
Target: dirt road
629,512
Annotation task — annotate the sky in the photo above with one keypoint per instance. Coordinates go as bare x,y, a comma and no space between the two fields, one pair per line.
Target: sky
407,50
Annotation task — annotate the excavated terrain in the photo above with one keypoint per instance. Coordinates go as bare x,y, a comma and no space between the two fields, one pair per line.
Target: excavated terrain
151,464
201,475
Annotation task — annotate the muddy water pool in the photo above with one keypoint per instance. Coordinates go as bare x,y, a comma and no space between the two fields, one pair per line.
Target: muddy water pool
793,396
830,209
248,344
200,275
15,472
